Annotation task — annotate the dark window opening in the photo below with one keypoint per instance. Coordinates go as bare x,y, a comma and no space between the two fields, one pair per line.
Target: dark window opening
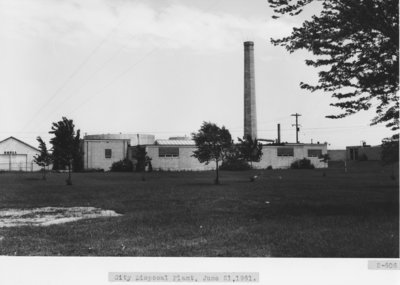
314,153
108,153
285,151
168,151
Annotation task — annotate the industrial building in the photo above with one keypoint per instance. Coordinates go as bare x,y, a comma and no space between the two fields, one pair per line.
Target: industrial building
363,152
100,151
356,153
16,155
175,154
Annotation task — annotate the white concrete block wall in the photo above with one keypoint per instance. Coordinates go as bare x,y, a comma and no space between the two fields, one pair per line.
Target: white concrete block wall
270,156
184,162
94,153
24,158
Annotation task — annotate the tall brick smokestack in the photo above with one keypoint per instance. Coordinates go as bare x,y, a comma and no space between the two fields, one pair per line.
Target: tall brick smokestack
250,115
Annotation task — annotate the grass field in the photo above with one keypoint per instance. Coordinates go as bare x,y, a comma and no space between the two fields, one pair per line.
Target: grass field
284,213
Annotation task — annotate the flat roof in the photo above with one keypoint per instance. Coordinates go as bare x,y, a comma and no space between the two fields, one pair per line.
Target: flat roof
175,142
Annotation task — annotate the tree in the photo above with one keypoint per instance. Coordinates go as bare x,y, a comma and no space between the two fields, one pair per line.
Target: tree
233,160
66,145
44,159
390,150
142,159
250,149
212,143
358,43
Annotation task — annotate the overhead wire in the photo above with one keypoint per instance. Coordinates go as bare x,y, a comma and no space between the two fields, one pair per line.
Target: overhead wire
213,5
127,70
74,73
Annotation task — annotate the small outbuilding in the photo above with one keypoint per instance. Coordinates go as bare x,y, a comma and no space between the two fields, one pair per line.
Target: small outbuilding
16,155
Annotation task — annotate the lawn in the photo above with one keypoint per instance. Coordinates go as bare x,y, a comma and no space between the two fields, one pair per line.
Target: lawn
284,213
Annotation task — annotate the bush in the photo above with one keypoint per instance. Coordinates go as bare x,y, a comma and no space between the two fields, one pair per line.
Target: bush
302,164
122,166
93,170
235,164
269,167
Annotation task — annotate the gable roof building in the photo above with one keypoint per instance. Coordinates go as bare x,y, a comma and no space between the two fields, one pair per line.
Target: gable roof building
17,155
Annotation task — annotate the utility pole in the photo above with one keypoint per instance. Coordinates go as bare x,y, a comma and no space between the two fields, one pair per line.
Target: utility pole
297,126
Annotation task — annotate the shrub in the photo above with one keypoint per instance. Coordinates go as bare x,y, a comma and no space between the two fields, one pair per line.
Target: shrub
269,167
302,164
93,170
235,164
124,165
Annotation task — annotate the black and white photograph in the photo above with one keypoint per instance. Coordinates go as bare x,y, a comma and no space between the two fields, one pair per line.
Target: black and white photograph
251,141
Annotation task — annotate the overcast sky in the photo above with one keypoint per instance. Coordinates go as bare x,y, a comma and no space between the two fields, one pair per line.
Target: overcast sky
160,67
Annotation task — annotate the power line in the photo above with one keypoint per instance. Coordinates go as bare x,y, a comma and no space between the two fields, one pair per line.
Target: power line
114,79
213,5
75,72
67,98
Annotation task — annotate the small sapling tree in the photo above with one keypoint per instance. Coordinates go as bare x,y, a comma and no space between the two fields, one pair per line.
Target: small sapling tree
44,158
66,145
212,143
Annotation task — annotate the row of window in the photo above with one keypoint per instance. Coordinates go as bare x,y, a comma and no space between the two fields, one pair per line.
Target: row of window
289,151
168,152
10,152
174,152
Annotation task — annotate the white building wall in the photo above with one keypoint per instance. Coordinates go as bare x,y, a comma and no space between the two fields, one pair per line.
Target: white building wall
94,153
270,156
23,160
185,161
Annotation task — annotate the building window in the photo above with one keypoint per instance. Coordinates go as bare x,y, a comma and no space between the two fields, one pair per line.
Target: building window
314,153
285,151
108,153
168,151
10,152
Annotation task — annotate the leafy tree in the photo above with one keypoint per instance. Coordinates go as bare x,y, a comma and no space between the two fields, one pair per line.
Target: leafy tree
142,159
358,44
212,143
233,160
250,149
44,158
390,150
66,146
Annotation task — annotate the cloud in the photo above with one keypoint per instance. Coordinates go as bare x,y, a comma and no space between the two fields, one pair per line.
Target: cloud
135,24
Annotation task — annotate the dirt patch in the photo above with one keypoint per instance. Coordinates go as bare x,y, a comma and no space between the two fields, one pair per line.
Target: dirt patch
50,216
